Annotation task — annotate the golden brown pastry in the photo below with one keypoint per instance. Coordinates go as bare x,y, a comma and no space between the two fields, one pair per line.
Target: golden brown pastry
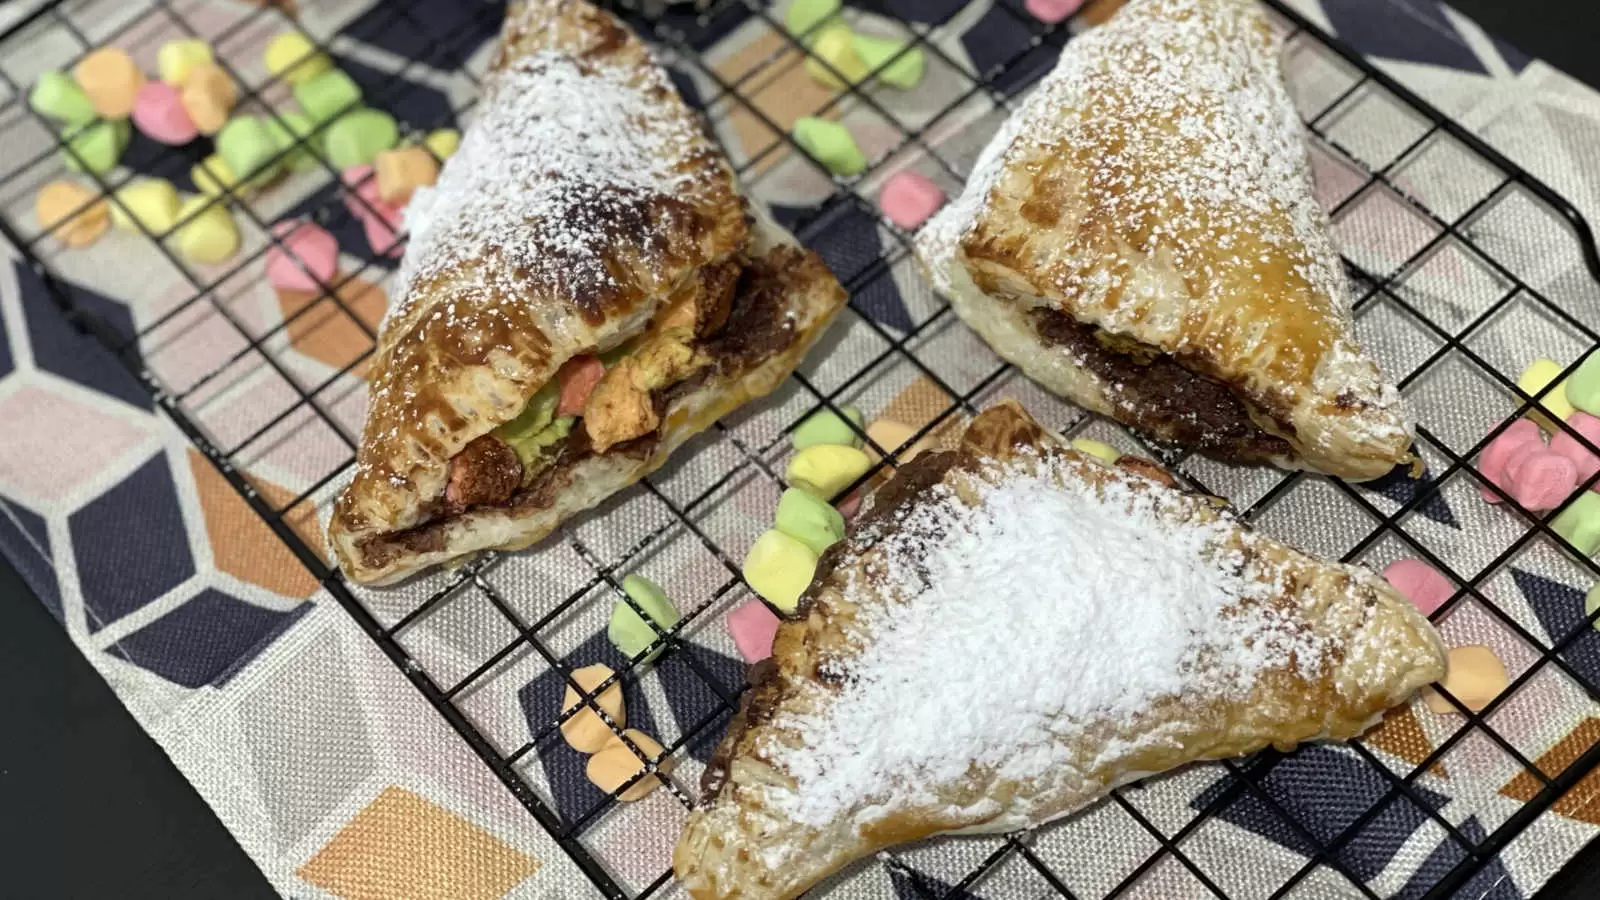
1013,629
584,289
1141,237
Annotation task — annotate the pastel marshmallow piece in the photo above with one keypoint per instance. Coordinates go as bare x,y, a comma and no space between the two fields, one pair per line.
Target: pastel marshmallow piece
71,213
833,54
292,130
850,505
1511,441
55,95
895,63
443,143
110,79
98,147
584,731
618,764
802,516
908,199
894,437
1543,480
827,427
753,627
330,94
206,231
402,171
780,568
1579,523
1540,373
213,176
1583,387
250,149
628,631
357,138
208,95
176,59
1473,675
803,16
148,203
1422,584
292,57
830,144
1591,604
382,229
159,114
826,469
306,257
1584,461
1051,11
1097,449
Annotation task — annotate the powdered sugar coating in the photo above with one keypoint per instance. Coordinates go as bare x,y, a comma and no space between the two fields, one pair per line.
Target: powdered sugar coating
1019,620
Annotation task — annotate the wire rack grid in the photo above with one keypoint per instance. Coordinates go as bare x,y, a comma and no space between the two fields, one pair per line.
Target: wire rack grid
1386,162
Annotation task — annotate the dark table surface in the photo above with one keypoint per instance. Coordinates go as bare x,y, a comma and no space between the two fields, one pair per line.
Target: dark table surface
91,808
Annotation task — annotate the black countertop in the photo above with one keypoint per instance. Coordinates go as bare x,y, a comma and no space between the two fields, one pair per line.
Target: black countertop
91,808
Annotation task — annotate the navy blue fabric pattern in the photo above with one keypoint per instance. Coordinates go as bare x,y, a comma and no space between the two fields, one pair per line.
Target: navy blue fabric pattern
926,12
1512,57
848,239
689,695
696,29
1326,790
157,160
1400,487
25,540
412,29
62,349
1409,30
6,361
1002,38
412,103
1492,882
206,640
909,884
130,544
1560,610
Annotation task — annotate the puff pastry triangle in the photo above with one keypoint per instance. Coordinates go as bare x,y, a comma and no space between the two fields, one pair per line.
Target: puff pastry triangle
1141,237
584,289
1013,629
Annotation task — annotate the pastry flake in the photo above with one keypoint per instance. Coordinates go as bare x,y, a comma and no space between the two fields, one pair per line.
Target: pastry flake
585,214
1013,629
1141,237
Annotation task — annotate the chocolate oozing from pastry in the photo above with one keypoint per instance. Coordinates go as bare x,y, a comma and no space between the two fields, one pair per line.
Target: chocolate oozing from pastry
1165,400
486,471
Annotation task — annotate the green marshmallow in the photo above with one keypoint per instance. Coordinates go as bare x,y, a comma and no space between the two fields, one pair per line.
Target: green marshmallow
1579,523
57,96
358,138
330,94
906,70
830,144
1591,602
628,631
293,127
803,16
249,148
98,147
826,427
1583,387
808,520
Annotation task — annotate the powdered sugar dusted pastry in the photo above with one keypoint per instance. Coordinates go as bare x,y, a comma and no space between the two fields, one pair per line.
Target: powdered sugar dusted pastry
1141,237
583,291
1013,629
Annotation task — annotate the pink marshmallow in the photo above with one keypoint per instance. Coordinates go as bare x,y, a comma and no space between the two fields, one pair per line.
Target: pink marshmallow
1541,480
1051,11
1514,444
908,199
1565,444
159,113
1422,584
379,220
753,627
308,254
850,505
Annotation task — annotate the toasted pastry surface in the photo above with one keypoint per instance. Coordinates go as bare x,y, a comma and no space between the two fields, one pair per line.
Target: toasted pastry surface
583,195
1011,630
1155,189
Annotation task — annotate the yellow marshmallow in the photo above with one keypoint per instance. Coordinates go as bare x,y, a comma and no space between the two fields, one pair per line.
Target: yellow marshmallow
211,236
1539,373
149,202
294,58
213,176
176,59
827,469
585,731
616,764
70,212
780,568
835,44
444,142
1103,452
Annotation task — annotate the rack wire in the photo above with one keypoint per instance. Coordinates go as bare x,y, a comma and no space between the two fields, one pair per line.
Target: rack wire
676,511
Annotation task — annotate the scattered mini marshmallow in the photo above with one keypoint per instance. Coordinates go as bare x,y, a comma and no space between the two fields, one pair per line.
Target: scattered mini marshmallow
110,79
292,57
176,59
1542,480
809,520
159,114
1533,379
1422,584
206,231
70,213
584,730
908,199
1583,388
150,204
753,626
55,95
1474,676
826,469
831,144
1579,523
628,631
1051,11
305,258
1518,438
780,568
208,95
617,764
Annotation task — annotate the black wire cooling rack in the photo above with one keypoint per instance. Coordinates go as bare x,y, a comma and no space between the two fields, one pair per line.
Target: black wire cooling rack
530,633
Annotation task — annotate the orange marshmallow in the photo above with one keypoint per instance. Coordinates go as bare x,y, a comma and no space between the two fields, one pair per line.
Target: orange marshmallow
111,80
404,170
208,96
64,208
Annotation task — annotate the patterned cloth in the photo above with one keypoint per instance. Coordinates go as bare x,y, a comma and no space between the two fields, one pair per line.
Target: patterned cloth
340,781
